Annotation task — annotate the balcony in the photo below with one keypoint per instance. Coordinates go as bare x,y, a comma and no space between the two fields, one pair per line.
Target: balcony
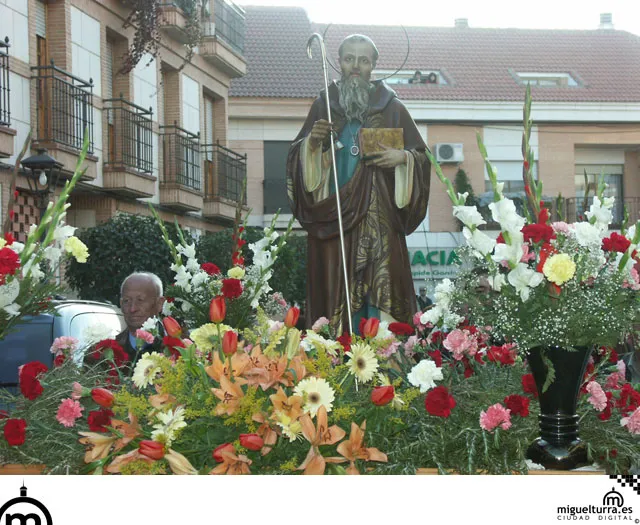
173,21
225,173
128,166
6,132
223,38
64,111
180,187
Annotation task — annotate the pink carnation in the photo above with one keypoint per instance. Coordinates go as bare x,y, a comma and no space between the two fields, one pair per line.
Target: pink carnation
64,343
461,343
389,350
526,255
597,398
496,415
317,326
632,422
633,282
409,345
614,380
561,227
417,323
144,335
77,391
622,368
68,412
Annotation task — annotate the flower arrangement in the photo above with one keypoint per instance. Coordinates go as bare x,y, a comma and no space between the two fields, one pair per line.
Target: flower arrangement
26,287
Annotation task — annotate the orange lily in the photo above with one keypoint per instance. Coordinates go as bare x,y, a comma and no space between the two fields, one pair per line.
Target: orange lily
290,406
269,375
178,463
321,434
162,400
232,464
129,431
354,449
229,395
218,368
258,359
297,365
99,445
116,465
267,433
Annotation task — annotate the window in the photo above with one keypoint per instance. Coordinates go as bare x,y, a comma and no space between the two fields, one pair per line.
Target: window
547,79
612,177
414,77
275,176
509,173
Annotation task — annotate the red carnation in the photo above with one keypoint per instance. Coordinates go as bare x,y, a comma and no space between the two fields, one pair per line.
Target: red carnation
58,360
401,328
15,431
436,357
605,415
519,405
538,233
231,288
505,354
439,402
345,341
9,263
615,243
28,377
108,346
210,268
529,385
99,420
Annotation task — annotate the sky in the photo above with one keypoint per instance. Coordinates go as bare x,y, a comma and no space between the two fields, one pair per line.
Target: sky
530,14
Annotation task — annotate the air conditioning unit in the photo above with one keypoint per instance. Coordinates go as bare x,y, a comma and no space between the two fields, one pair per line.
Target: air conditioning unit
449,152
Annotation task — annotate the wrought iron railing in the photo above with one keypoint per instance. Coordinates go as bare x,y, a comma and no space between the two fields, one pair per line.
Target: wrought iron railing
129,135
225,172
227,23
64,106
5,100
181,156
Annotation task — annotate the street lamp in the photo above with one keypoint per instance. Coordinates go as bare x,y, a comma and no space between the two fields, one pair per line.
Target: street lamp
43,172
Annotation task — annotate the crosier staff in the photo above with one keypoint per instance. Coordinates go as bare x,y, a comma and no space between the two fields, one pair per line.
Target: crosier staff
318,37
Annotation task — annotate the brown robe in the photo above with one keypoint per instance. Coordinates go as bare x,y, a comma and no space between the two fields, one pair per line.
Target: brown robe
374,227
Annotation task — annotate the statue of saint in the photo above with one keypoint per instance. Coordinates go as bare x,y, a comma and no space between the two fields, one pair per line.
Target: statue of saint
383,196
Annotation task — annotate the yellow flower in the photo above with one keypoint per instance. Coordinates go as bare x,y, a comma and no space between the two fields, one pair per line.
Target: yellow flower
559,268
207,335
2,242
77,248
236,272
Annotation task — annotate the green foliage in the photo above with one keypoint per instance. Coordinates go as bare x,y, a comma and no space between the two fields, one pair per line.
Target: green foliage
122,245
462,184
289,271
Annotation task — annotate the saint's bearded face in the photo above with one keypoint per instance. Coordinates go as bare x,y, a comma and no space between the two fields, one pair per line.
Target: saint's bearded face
356,63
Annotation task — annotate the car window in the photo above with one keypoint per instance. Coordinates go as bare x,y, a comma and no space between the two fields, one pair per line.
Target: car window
83,324
28,342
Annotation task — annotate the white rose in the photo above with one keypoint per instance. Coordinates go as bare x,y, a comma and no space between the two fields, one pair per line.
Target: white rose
424,375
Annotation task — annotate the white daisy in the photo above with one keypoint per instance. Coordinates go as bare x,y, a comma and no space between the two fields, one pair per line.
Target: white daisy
316,392
146,370
363,362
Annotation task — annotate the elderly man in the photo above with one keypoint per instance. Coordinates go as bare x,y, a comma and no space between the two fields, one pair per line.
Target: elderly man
384,197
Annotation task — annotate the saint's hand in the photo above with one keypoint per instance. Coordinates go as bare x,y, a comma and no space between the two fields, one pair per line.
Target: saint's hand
319,133
389,158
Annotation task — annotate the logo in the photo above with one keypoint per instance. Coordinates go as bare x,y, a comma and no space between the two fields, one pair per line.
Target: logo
612,508
24,510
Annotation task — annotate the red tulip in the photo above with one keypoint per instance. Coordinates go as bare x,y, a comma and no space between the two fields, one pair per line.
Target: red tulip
172,327
151,449
229,342
228,447
382,395
371,327
217,309
292,316
102,397
251,441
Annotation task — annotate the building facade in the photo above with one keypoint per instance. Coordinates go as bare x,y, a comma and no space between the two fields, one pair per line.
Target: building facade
158,133
457,82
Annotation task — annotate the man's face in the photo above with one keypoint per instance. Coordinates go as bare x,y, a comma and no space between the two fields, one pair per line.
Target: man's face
423,292
357,60
139,301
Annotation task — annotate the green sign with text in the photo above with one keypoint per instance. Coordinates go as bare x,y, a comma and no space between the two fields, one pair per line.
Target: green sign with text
434,264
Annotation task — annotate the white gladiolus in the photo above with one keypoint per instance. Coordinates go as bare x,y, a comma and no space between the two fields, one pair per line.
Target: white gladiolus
601,211
523,279
504,212
497,281
468,215
479,241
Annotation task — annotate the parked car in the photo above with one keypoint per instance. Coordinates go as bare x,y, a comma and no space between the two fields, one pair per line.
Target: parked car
32,339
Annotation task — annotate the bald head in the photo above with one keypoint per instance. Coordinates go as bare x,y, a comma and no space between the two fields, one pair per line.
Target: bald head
140,298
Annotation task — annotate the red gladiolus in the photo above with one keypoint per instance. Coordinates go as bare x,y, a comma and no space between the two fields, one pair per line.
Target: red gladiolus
251,441
217,309
439,402
228,447
382,395
230,342
172,327
292,316
15,431
545,252
151,449
103,397
370,327
543,216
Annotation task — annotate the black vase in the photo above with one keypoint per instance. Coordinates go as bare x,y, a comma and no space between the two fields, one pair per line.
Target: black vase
559,446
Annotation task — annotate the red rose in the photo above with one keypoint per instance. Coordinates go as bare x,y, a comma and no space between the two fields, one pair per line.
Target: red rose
151,449
382,395
9,263
436,357
102,397
291,319
345,341
217,309
28,378
615,243
231,288
15,431
538,233
529,385
228,447
110,349
439,402
519,405
210,268
99,419
401,328
251,441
